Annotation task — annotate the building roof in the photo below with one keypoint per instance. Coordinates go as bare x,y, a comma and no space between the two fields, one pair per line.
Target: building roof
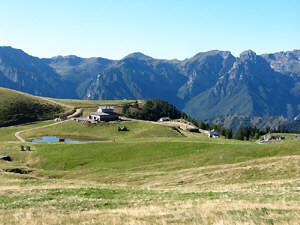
165,118
104,114
214,132
105,107
277,136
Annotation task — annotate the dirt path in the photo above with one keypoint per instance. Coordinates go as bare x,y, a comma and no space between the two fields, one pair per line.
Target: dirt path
77,113
182,125
17,134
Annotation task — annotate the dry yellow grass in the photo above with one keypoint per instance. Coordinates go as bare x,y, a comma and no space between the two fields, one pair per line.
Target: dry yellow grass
186,212
247,205
228,174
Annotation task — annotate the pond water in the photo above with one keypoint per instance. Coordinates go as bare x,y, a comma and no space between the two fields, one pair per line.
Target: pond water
54,139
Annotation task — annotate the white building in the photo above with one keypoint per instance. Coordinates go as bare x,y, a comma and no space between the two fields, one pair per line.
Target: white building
164,119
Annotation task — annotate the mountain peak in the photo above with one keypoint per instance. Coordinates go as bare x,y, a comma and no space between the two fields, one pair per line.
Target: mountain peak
11,50
6,47
138,55
204,55
66,57
208,53
248,55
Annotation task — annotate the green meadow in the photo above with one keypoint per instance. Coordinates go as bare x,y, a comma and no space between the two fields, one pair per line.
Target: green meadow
151,174
89,103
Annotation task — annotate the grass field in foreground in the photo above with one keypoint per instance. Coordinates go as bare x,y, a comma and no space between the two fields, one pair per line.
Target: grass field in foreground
149,175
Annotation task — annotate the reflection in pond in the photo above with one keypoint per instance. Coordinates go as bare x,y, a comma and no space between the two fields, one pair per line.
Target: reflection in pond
55,139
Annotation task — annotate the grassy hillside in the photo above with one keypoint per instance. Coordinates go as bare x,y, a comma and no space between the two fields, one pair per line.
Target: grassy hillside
150,174
17,107
130,162
106,131
89,103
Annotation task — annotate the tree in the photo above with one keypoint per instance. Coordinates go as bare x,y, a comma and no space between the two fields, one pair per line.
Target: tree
256,136
125,110
202,125
228,133
136,105
284,129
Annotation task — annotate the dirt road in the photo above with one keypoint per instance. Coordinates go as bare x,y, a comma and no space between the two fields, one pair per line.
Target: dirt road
17,134
183,125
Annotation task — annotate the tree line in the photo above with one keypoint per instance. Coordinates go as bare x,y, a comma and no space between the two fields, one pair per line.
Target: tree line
152,110
243,133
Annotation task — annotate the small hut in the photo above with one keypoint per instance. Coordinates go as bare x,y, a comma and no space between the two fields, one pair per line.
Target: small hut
213,134
193,129
164,119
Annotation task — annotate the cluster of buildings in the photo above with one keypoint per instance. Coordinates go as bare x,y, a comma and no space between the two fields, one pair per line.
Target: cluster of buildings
269,137
106,114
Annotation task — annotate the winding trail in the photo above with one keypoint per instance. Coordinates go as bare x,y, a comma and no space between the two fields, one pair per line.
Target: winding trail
17,134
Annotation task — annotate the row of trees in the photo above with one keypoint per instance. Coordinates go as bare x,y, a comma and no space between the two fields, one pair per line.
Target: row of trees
244,133
154,109
279,129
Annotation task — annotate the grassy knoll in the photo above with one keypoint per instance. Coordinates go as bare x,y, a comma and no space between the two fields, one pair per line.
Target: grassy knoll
17,108
149,175
139,131
106,131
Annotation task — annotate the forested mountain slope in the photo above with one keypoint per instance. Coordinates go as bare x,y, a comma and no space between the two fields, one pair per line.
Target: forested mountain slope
204,86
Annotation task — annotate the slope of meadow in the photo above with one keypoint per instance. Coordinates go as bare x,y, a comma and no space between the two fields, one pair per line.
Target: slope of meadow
150,174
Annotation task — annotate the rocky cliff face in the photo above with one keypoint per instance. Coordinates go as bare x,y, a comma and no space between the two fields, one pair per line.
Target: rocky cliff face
251,87
285,62
203,72
208,84
79,72
25,73
138,77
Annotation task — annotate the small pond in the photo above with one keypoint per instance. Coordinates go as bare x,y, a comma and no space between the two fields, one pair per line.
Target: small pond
55,139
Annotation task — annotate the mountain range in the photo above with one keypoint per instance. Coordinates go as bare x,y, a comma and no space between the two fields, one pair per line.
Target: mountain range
204,86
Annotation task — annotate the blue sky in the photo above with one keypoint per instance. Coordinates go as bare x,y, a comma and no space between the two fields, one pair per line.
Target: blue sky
159,28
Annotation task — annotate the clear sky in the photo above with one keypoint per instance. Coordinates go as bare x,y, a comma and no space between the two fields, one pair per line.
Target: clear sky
159,28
